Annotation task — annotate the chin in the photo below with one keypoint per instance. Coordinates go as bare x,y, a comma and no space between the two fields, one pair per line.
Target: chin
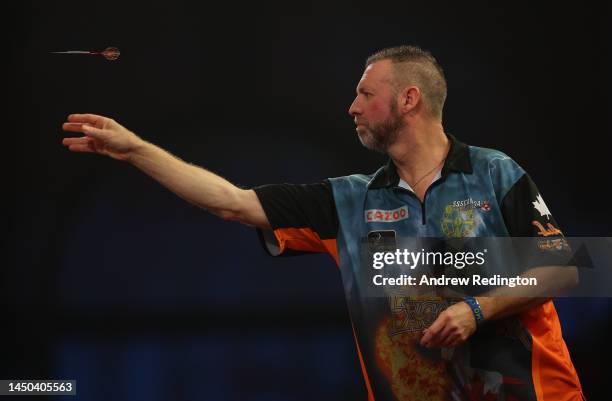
364,137
364,133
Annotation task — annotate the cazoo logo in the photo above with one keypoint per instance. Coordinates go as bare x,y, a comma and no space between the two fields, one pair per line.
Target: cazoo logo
386,216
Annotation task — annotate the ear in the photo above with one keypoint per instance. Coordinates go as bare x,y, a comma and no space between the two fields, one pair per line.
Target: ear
409,99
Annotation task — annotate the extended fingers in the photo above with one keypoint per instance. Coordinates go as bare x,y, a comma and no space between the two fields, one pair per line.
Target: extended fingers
92,131
81,148
92,119
79,144
72,127
75,141
84,128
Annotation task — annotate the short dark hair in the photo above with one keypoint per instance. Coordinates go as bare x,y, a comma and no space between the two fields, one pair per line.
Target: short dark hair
415,66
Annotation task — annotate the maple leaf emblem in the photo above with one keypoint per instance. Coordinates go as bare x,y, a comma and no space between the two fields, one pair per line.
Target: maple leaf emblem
541,207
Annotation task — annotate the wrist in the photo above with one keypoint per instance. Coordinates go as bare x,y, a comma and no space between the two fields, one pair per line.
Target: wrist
476,309
138,148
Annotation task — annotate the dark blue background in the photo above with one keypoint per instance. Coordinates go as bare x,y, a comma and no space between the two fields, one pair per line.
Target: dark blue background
117,283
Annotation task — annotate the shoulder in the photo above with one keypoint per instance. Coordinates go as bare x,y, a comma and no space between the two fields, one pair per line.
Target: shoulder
495,163
350,190
353,179
354,183
491,159
496,166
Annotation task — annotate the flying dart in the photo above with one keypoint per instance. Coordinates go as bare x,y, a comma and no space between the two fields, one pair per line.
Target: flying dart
110,53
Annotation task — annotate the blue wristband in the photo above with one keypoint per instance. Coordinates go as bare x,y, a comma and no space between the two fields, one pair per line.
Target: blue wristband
475,307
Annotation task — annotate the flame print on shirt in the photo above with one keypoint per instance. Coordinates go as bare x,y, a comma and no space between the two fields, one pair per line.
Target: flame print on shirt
414,373
411,373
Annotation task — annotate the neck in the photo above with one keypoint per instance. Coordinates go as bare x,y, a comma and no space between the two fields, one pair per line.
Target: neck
420,146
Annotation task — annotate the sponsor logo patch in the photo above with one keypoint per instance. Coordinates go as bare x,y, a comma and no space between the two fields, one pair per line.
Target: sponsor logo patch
457,222
386,216
469,204
548,230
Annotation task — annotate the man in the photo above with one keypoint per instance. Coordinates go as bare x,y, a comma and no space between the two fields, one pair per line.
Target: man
433,186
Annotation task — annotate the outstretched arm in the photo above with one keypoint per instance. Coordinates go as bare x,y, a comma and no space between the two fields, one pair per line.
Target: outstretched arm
196,185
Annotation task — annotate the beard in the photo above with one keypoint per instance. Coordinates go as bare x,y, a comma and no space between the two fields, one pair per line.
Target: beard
379,137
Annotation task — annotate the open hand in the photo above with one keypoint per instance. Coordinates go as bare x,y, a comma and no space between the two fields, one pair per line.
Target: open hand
103,135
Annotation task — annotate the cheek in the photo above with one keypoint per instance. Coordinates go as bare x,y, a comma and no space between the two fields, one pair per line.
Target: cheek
374,107
377,110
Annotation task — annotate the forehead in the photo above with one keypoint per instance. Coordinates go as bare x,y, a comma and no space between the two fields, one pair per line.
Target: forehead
377,73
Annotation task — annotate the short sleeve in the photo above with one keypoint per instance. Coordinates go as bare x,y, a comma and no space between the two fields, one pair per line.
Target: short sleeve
303,218
527,215
525,212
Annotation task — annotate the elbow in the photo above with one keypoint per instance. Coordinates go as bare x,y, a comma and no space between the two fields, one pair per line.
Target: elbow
568,278
242,206
228,215
232,208
573,278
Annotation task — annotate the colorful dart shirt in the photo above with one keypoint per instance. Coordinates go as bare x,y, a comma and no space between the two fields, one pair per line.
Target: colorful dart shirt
478,193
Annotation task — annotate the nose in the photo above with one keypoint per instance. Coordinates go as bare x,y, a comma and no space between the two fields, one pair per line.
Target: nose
354,109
